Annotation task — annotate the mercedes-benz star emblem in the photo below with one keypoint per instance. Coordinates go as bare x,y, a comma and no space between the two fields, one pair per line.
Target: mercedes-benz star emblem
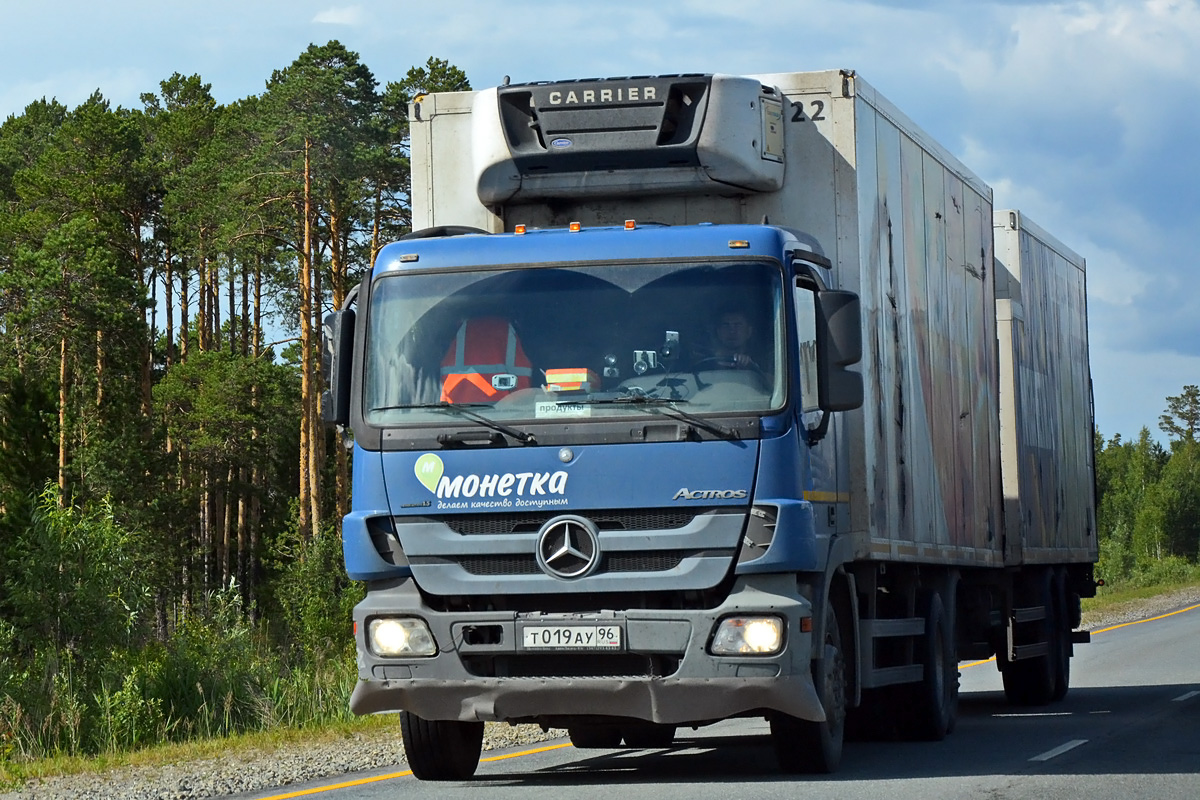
568,547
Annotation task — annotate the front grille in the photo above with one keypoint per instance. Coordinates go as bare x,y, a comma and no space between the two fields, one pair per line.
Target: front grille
642,562
499,565
614,562
634,519
572,665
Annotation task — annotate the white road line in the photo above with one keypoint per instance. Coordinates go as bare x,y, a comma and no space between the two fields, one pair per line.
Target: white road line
1038,714
1058,751
1183,697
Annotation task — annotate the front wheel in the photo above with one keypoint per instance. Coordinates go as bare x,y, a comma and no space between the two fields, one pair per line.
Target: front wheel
441,750
808,747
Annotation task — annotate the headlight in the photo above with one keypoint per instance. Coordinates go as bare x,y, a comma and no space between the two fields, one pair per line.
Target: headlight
401,636
747,636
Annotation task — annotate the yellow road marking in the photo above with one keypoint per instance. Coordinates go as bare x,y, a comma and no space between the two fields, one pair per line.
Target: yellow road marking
331,787
977,663
1102,630
390,775
528,752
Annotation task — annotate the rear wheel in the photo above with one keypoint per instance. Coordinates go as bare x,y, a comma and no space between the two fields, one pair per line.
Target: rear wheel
441,750
1061,643
934,701
1032,681
802,746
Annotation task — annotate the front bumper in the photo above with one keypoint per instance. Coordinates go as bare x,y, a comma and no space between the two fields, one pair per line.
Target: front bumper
498,681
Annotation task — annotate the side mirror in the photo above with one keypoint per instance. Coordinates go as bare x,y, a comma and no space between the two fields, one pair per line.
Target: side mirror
337,356
839,345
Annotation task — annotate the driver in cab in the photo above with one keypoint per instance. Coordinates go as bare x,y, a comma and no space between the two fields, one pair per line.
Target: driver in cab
732,333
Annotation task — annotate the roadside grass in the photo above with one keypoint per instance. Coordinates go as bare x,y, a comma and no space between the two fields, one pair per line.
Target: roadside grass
16,773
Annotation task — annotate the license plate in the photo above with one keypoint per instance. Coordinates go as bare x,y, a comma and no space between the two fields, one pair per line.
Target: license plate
571,637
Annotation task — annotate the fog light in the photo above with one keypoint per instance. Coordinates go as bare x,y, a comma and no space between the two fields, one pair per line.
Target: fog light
748,636
401,636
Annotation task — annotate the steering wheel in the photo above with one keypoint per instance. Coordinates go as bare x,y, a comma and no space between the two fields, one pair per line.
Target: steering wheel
728,363
715,362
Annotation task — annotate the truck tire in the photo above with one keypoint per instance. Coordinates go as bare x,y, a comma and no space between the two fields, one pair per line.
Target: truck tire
648,735
804,747
1032,681
933,703
441,750
1061,644
600,736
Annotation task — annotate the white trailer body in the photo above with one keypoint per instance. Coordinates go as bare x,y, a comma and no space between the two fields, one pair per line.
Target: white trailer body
1045,395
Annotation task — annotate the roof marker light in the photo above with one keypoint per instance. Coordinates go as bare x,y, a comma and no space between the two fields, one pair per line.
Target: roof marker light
519,229
630,224
574,227
408,258
738,244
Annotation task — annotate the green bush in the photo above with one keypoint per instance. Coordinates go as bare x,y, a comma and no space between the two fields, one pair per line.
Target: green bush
1166,571
73,579
86,679
130,716
315,598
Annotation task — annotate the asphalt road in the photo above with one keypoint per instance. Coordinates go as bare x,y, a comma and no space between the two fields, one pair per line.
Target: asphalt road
1129,728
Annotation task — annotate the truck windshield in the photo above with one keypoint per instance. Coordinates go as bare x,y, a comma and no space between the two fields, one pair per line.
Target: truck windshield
576,342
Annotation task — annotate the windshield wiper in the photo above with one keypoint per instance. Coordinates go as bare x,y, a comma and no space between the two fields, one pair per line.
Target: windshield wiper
666,406
467,410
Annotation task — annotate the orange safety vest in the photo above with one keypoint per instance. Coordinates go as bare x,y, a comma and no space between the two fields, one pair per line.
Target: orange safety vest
484,363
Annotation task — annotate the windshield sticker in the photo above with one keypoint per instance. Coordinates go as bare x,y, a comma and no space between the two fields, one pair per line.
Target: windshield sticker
495,490
556,408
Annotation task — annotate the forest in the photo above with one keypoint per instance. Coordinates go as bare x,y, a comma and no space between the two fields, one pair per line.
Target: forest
170,561
1148,499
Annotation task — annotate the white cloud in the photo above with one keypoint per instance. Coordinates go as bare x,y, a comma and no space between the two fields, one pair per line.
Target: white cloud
1062,59
340,15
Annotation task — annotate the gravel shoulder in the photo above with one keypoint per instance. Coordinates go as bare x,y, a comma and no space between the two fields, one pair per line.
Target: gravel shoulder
1146,608
250,771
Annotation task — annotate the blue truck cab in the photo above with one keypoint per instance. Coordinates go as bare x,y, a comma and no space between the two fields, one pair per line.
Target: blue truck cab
574,503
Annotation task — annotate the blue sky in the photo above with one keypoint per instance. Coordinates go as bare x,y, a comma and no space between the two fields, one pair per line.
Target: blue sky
1085,115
